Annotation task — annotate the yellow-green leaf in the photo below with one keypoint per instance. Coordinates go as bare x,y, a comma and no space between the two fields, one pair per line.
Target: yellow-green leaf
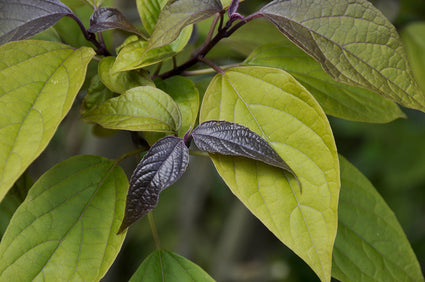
149,11
65,230
370,244
39,81
353,41
142,108
273,104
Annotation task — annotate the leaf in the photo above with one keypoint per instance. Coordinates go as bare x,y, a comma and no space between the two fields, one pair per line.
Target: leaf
20,19
232,139
354,43
121,81
106,18
186,95
164,164
136,54
370,244
40,80
143,108
413,37
273,104
97,94
149,11
166,266
65,229
178,14
336,99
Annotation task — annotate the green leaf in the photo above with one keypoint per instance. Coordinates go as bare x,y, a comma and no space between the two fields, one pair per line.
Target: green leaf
149,11
186,95
413,37
353,41
40,80
166,266
336,99
97,94
143,108
370,244
274,105
66,227
178,14
121,81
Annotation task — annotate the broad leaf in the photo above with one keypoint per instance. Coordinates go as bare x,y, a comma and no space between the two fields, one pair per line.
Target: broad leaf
186,95
135,54
66,227
232,139
166,266
414,39
273,104
121,81
143,108
107,18
353,41
149,11
164,164
20,19
40,80
97,94
370,244
337,99
178,14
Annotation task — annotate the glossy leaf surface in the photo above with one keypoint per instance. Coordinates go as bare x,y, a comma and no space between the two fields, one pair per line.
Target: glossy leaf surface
66,227
120,82
186,95
370,244
107,18
414,39
337,99
143,108
178,14
136,54
149,11
39,81
273,104
228,138
164,164
166,266
353,41
17,22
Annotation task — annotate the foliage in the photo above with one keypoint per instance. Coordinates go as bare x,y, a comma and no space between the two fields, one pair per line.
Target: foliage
262,121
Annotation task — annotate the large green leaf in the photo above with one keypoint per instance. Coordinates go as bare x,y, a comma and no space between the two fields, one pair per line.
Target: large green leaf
149,11
136,54
166,266
178,14
39,81
121,81
370,244
273,104
143,108
186,95
414,39
66,227
353,41
337,99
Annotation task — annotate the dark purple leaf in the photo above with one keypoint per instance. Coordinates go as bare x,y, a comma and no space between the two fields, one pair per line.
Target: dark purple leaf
107,18
164,164
228,138
20,19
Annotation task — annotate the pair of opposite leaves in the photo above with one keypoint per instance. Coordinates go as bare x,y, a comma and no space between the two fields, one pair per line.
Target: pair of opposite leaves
167,160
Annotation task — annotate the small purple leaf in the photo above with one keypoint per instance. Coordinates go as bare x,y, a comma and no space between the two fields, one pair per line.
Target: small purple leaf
106,18
20,19
233,7
164,164
228,138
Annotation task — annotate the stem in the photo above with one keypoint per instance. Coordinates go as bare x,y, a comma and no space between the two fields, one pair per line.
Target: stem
154,231
211,64
208,70
100,46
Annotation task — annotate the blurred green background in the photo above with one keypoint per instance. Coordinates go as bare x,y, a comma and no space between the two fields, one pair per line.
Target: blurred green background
199,217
